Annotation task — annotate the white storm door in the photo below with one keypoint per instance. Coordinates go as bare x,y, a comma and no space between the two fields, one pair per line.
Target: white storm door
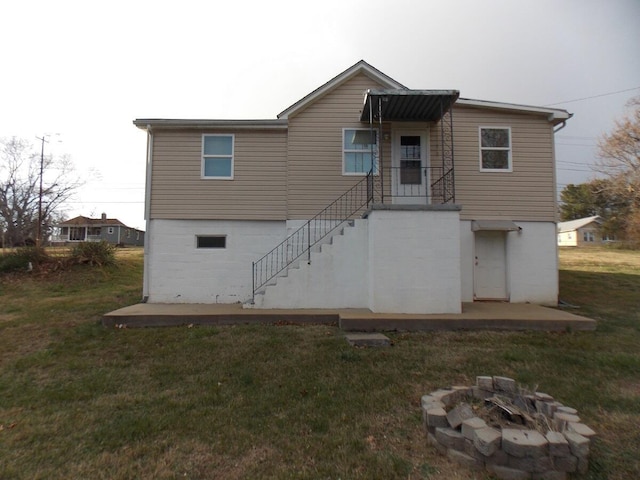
409,173
490,270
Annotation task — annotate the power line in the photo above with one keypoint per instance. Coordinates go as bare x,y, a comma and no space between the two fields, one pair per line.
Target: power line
573,170
593,96
88,201
575,137
577,144
581,164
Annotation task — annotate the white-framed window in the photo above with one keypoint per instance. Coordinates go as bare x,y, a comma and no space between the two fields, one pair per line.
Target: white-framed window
217,156
110,230
357,145
211,241
495,149
588,237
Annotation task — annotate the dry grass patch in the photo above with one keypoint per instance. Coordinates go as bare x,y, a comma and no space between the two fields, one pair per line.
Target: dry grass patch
594,258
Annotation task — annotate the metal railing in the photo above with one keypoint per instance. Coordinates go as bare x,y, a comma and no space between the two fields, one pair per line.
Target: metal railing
424,185
65,238
313,231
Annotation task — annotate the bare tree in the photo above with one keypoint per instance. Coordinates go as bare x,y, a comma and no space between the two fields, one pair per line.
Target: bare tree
20,190
619,161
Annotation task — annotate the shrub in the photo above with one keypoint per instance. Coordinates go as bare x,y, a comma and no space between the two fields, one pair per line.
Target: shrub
21,258
94,253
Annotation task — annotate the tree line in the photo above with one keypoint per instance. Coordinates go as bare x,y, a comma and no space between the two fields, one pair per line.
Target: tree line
615,194
33,188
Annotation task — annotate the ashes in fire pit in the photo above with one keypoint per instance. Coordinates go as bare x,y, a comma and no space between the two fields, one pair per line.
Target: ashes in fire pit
509,431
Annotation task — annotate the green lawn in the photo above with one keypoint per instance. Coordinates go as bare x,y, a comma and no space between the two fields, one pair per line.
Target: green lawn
81,401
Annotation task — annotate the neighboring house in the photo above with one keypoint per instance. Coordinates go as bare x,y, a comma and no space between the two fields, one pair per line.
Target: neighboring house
582,232
83,229
363,194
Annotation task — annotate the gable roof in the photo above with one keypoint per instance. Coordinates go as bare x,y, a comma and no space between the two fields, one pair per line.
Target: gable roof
404,101
360,67
80,220
572,225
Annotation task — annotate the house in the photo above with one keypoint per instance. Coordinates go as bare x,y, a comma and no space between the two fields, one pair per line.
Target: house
363,194
582,232
83,229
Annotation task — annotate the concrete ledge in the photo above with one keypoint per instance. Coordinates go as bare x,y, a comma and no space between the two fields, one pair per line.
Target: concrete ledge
439,207
171,315
474,316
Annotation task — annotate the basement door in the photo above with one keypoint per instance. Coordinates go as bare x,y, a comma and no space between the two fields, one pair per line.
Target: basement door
490,270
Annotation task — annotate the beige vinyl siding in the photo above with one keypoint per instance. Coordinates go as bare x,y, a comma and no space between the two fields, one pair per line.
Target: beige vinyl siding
257,191
315,147
525,193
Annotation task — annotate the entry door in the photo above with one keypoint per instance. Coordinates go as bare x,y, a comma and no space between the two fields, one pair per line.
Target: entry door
490,271
409,173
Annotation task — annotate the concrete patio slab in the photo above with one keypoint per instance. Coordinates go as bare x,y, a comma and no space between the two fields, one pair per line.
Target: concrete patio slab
474,316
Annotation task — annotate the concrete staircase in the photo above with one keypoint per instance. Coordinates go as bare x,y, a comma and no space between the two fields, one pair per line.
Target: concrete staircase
330,280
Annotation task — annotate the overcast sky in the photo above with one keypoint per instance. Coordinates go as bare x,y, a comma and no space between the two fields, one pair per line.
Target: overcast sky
86,69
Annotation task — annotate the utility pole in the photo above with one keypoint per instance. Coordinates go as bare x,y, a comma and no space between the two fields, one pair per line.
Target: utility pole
44,139
39,230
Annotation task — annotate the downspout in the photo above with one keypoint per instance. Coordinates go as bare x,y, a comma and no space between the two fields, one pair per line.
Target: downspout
369,99
555,202
563,124
380,137
147,216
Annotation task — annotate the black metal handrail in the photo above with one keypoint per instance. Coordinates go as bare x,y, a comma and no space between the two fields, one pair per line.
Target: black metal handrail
302,240
428,185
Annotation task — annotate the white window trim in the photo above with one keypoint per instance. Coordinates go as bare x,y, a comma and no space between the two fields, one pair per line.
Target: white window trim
508,149
377,152
202,155
110,230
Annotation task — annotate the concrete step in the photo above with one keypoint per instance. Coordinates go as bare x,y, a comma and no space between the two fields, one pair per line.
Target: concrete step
368,340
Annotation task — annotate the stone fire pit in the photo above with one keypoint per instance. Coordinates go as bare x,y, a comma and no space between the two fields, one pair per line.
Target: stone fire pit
512,433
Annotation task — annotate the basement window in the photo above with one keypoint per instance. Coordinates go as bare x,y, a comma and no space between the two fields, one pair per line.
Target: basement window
211,241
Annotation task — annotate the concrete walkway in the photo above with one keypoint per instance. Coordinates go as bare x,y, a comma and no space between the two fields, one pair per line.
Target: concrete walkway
474,316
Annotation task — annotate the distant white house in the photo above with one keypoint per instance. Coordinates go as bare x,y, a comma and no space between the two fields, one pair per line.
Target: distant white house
582,232
84,229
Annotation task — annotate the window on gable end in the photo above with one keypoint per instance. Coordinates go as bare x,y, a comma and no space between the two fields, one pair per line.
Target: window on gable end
495,149
217,156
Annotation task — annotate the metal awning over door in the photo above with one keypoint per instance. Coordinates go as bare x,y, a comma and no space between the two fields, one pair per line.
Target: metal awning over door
407,105
494,226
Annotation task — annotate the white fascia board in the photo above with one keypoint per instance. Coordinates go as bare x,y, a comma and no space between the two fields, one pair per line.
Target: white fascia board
553,114
143,123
